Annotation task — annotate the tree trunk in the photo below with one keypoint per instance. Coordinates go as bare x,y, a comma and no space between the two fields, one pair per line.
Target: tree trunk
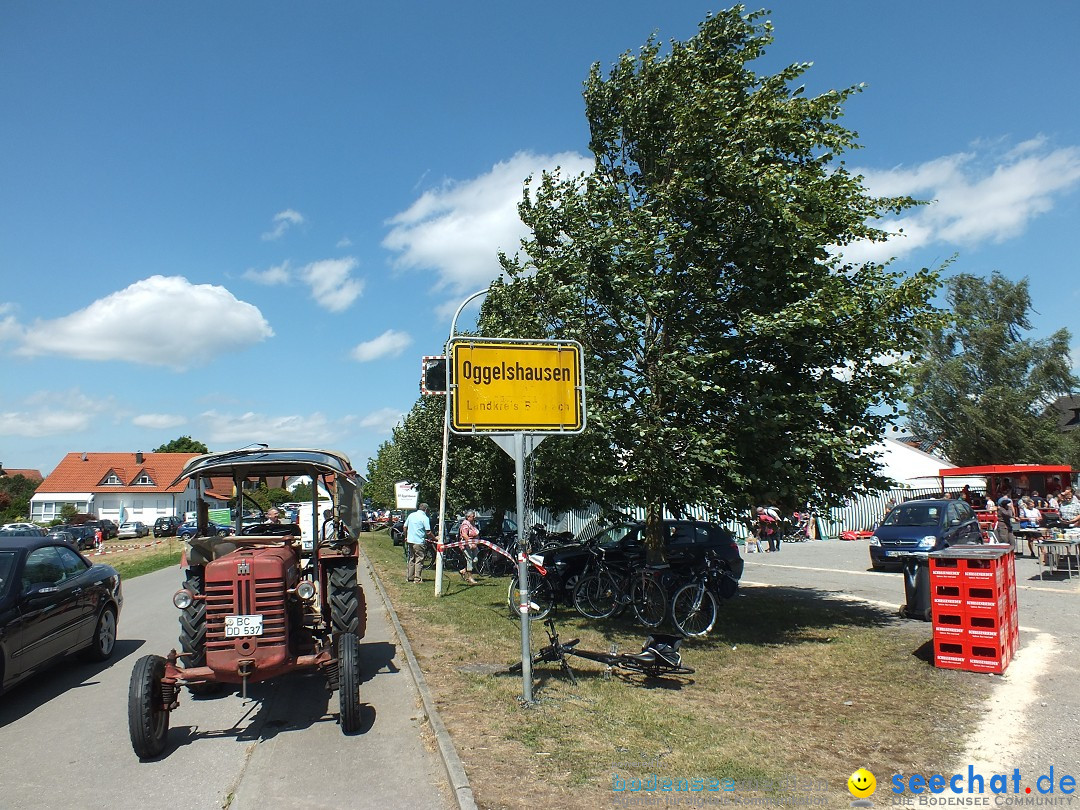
654,535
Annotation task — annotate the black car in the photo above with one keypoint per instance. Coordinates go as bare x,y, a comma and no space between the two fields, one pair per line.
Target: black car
686,542
84,535
167,526
53,601
108,528
922,526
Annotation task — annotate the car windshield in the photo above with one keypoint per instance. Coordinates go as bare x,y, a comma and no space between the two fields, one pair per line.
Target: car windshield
914,514
7,565
611,536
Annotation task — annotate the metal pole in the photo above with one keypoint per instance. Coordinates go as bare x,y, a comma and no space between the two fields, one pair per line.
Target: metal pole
446,442
523,568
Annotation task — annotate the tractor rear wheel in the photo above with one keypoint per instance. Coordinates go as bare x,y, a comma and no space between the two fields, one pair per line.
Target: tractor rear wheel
349,682
193,631
348,607
148,718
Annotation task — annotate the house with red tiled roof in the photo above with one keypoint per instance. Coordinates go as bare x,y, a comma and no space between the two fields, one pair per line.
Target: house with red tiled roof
117,486
30,475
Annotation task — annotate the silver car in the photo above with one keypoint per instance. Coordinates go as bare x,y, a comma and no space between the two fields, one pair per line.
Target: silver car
133,529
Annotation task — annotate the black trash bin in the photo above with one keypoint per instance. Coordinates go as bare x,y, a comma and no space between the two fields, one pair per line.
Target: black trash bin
916,586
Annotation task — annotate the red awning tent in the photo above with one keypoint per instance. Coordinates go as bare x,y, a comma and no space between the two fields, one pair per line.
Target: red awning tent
1009,477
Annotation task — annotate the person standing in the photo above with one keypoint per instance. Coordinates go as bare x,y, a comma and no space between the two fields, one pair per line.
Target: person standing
1069,509
1006,514
769,526
417,534
468,533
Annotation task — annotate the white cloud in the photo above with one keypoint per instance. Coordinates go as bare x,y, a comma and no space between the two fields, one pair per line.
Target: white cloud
390,343
9,325
51,413
282,222
382,420
159,321
232,430
975,198
279,274
331,282
159,421
344,242
458,229
42,423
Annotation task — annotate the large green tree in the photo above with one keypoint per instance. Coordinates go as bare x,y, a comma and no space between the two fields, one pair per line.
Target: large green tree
733,357
183,444
982,387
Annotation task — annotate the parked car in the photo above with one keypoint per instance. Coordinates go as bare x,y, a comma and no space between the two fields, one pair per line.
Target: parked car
108,528
22,530
133,528
922,526
167,526
686,544
61,536
53,601
84,535
191,529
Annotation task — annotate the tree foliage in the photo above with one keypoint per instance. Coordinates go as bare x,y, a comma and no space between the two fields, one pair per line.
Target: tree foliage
982,388
301,493
183,444
731,356
15,493
480,475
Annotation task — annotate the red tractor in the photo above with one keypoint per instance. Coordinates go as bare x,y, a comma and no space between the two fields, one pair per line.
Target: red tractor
273,598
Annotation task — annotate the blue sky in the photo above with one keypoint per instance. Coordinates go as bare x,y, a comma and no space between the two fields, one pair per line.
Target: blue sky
248,221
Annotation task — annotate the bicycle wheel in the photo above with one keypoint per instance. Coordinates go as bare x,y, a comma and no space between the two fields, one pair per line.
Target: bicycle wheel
694,609
597,595
540,594
649,601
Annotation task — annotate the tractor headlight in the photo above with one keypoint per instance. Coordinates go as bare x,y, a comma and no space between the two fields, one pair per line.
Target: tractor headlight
306,590
183,599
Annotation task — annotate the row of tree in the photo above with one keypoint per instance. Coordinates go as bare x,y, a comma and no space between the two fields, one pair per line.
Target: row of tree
733,356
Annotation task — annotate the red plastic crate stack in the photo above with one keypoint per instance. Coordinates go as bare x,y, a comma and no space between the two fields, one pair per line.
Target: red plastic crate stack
973,608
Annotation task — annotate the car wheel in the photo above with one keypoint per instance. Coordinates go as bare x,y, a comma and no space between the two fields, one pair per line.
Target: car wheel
104,642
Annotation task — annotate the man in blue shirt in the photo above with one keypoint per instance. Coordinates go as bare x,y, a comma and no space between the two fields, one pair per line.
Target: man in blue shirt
417,533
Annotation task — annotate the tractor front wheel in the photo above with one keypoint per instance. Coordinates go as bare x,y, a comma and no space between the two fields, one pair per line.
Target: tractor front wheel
349,682
148,717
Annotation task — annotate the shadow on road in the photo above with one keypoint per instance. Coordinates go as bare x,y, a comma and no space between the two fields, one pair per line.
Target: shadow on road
290,703
66,674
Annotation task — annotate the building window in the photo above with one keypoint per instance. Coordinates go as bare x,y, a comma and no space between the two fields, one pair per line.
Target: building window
112,480
144,480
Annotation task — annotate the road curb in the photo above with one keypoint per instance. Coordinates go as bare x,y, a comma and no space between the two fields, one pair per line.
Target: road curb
455,770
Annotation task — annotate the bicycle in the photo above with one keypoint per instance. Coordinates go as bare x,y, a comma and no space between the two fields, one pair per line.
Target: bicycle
601,592
659,656
695,606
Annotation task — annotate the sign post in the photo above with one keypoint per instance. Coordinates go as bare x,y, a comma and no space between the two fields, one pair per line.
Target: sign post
506,388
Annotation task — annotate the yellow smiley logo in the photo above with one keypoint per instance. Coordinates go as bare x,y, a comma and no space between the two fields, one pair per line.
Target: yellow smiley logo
862,784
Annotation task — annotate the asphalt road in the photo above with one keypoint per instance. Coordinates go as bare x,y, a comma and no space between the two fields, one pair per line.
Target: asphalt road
64,736
1031,721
